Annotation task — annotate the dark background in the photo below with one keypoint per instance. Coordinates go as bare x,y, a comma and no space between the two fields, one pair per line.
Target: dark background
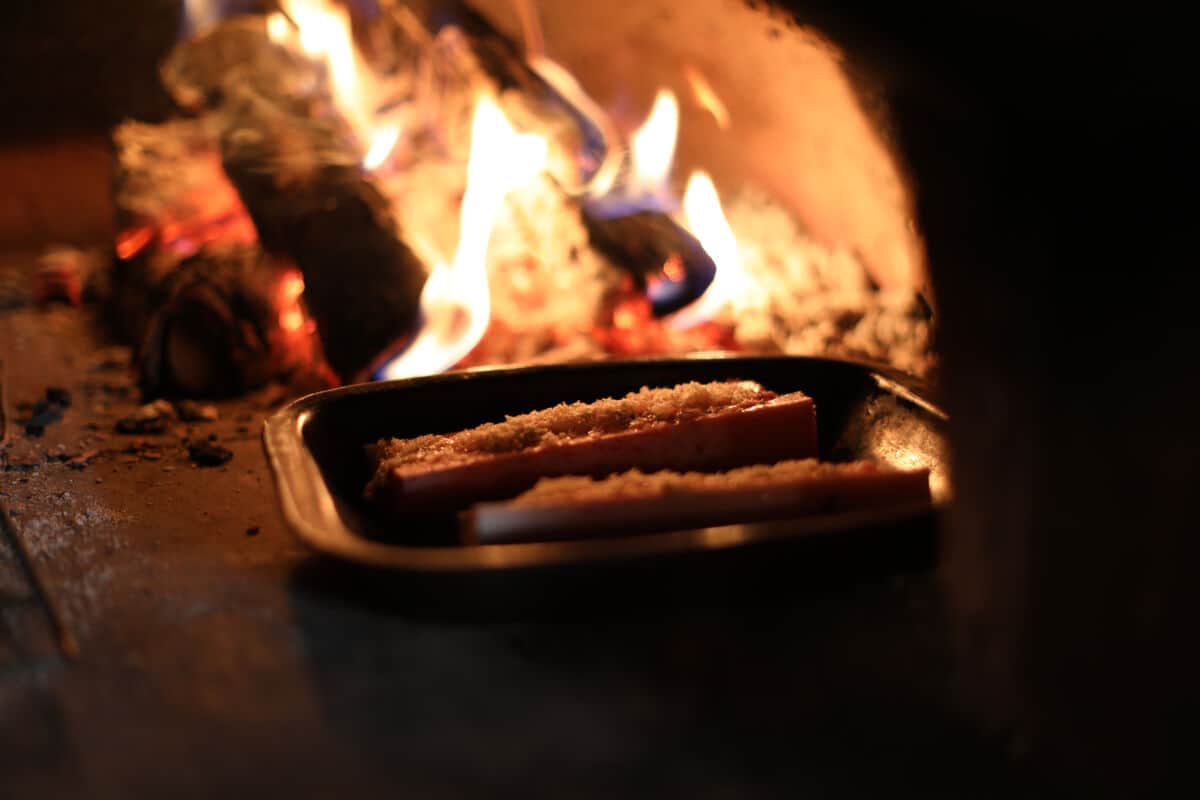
71,67
1050,154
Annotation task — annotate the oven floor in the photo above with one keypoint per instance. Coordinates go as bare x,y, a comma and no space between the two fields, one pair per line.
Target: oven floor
216,656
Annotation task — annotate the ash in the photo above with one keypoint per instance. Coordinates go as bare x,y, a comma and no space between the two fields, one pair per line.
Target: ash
803,298
548,286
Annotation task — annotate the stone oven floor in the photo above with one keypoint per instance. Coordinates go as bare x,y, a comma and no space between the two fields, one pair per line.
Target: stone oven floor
216,656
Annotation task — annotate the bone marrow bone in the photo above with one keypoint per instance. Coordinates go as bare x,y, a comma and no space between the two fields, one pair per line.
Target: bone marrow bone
692,426
575,507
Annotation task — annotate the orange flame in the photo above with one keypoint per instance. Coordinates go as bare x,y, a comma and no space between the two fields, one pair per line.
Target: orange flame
322,30
455,303
278,27
706,220
707,97
653,144
383,140
653,151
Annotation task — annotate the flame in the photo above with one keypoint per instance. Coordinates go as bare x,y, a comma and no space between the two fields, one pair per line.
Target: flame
278,27
381,146
706,220
653,144
602,175
706,96
455,303
322,30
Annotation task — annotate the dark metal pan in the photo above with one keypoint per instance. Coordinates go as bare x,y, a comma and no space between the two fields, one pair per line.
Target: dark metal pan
316,451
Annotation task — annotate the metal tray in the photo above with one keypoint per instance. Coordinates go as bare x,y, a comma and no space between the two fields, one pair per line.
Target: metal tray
315,447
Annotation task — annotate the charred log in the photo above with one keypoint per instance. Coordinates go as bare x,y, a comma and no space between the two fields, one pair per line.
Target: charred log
204,318
311,202
295,168
667,261
223,322
237,52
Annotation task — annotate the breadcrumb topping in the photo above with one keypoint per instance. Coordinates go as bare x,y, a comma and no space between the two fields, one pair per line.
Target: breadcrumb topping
646,408
636,484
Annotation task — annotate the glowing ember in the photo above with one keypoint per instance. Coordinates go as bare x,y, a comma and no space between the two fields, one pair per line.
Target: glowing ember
706,96
707,222
673,268
133,241
291,314
653,145
455,303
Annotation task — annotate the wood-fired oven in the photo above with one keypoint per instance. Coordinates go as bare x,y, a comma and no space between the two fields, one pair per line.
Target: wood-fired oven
995,182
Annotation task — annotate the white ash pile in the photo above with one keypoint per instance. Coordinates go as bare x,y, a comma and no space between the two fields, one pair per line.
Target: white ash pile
802,298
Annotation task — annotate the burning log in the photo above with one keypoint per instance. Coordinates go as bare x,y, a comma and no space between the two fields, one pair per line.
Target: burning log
311,202
290,156
306,196
622,197
292,162
587,160
207,311
287,145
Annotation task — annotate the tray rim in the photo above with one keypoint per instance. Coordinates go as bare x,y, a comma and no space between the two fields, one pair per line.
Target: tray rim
288,457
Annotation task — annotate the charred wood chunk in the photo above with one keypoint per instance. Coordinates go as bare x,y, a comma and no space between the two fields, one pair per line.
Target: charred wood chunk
46,411
209,454
221,323
151,418
238,52
171,196
663,257
171,193
310,201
